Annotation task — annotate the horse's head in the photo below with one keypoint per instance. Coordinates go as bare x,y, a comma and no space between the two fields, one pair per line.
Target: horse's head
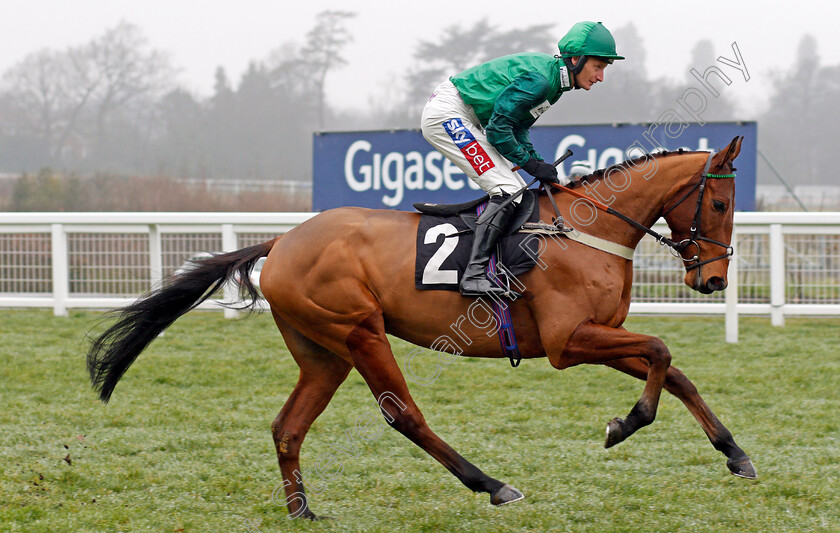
700,215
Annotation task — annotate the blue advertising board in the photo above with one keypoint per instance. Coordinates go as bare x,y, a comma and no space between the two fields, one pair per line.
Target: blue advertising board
394,169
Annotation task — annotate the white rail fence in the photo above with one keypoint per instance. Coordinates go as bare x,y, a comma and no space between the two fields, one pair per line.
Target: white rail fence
785,263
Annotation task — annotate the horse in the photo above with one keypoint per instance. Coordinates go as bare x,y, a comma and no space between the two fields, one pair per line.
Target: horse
342,281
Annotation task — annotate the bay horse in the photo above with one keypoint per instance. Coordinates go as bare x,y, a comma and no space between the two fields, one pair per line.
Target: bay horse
341,281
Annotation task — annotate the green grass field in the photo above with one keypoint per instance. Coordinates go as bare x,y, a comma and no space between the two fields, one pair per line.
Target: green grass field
185,444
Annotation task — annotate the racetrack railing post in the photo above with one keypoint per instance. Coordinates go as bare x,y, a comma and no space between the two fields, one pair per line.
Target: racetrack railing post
731,294
60,269
777,275
231,290
155,256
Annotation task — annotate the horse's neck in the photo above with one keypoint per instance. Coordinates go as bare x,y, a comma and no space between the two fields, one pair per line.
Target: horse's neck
642,199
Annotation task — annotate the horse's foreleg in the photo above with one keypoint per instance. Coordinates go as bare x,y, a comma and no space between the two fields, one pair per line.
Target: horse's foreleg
680,386
321,373
374,360
597,344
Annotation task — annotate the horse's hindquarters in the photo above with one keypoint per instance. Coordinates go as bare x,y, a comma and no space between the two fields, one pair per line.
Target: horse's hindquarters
335,270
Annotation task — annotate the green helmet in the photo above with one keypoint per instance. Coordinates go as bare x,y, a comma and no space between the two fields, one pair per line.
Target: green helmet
588,39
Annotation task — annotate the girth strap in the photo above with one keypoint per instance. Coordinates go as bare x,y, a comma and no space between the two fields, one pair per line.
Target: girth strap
507,337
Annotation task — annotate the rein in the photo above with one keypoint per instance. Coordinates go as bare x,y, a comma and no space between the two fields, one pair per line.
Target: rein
676,247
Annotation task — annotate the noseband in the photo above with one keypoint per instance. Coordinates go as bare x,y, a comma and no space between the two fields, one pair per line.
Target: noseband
696,235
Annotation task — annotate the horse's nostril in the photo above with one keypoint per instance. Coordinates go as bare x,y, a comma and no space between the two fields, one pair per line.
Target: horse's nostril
716,283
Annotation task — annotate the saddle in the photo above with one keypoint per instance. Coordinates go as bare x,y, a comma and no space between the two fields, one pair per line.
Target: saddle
466,211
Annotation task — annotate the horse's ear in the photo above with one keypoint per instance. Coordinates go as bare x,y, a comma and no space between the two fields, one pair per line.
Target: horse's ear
733,149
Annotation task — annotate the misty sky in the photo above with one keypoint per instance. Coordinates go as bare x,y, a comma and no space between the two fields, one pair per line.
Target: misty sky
203,34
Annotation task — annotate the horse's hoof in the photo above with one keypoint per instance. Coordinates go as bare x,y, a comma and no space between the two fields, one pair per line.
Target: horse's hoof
614,434
742,467
506,495
309,515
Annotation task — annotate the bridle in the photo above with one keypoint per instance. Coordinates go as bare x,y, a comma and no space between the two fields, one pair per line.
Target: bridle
675,247
696,235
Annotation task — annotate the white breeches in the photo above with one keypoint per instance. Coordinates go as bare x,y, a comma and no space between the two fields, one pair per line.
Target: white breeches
451,126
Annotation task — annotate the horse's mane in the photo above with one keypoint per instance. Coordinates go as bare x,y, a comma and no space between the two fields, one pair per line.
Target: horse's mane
600,173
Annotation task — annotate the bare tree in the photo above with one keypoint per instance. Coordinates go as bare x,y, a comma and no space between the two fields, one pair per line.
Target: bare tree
124,70
795,132
288,70
322,52
59,96
36,97
80,79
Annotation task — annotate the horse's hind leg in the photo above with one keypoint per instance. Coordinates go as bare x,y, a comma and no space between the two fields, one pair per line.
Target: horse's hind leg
680,386
321,373
374,360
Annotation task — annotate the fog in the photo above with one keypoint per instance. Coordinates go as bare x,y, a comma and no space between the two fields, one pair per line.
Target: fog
196,90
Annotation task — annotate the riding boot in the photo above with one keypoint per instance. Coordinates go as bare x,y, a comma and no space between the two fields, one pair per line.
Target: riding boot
475,282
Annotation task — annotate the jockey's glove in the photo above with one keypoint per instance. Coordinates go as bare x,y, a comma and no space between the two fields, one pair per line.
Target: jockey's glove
545,172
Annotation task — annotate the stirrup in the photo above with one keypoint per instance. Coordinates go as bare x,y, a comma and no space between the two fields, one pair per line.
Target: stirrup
491,289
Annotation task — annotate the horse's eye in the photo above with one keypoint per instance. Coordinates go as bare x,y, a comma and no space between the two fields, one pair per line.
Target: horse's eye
719,206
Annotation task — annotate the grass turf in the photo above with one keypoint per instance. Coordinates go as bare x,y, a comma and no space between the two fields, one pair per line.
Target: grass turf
185,444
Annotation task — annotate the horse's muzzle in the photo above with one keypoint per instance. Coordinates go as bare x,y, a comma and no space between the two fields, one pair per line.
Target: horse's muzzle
715,283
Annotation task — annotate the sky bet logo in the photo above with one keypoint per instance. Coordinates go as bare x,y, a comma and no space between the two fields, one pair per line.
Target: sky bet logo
465,141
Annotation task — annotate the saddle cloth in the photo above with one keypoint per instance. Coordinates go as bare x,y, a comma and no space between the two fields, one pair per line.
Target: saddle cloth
444,243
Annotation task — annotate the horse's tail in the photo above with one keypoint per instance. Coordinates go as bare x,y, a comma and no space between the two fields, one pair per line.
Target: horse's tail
138,324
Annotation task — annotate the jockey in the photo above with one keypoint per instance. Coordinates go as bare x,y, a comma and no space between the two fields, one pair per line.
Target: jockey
479,119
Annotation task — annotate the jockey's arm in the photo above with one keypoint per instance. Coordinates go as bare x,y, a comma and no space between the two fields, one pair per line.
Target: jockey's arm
523,137
515,111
